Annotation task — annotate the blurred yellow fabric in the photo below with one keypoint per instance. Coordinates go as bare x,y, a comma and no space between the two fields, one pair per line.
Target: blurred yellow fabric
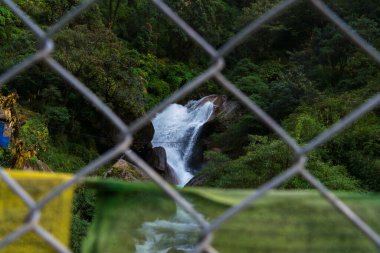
56,216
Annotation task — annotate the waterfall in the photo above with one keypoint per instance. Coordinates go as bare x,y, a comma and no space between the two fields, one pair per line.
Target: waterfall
176,129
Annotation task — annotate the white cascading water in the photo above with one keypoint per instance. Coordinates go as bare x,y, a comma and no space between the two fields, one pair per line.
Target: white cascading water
176,129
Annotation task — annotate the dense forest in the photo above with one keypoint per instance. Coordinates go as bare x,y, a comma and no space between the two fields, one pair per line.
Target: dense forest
299,68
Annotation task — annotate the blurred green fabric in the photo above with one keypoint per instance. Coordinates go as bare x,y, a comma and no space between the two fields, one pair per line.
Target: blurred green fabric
141,218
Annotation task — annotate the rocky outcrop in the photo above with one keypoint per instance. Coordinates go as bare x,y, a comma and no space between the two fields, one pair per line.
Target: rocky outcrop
125,171
222,106
158,159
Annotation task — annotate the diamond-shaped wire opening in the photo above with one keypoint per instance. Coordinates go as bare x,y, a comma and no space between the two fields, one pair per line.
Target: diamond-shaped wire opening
47,45
142,166
187,88
54,63
144,120
279,105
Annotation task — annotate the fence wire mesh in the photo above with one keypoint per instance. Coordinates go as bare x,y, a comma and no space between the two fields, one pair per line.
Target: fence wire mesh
44,54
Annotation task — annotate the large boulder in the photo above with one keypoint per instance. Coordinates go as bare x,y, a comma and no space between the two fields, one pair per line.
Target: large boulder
158,161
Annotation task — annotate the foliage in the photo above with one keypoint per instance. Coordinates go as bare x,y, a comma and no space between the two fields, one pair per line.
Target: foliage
68,157
7,105
361,157
5,157
33,139
83,210
264,159
35,134
298,68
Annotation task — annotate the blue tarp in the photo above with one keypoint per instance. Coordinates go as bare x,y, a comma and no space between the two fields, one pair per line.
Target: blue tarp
4,140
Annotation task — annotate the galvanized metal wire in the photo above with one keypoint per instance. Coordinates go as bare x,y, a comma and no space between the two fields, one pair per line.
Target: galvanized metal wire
44,54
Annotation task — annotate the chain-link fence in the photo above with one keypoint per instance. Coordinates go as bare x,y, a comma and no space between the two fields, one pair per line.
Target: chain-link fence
44,54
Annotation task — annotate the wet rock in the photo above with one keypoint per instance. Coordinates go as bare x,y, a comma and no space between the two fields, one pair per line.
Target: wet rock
170,176
158,160
197,180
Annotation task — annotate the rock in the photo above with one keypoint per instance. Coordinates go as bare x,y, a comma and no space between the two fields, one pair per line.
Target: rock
170,176
197,180
222,107
157,159
218,101
126,171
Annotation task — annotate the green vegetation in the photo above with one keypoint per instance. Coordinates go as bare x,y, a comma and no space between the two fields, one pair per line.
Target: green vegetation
298,68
